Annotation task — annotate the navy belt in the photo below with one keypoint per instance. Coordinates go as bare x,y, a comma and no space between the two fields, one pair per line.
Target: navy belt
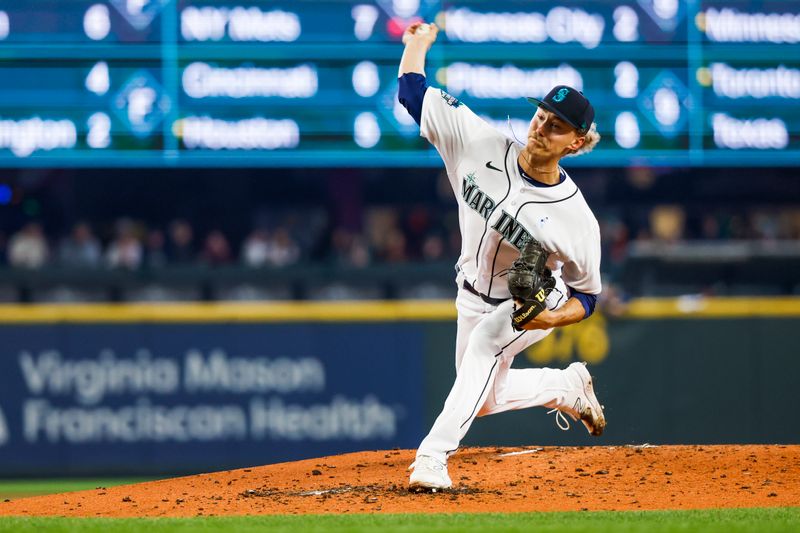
488,299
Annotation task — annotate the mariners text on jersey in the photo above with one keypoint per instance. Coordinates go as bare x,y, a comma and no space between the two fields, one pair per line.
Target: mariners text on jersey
475,197
510,228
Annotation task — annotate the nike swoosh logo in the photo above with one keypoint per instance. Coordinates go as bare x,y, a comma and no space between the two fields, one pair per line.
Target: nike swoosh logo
489,165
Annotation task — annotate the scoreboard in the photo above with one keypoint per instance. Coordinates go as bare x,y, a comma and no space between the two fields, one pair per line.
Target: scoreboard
314,83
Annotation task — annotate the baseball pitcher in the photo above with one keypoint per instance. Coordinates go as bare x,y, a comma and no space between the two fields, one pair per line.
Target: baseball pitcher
530,255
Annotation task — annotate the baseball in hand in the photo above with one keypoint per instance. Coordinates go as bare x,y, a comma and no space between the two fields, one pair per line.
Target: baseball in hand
423,29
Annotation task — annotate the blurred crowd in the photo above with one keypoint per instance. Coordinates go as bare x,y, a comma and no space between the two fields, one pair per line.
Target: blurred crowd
134,244
385,235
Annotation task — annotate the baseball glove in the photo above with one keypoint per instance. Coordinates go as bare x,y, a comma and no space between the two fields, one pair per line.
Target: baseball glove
529,282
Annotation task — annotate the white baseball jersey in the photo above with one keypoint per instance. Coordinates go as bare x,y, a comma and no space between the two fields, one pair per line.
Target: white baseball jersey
499,209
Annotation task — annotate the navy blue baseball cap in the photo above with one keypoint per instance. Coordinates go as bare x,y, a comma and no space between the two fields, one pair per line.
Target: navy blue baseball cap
569,104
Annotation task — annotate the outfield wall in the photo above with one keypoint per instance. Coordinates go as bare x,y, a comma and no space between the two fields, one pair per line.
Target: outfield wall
156,389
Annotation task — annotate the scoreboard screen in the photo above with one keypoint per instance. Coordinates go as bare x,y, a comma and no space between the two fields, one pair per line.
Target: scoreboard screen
314,83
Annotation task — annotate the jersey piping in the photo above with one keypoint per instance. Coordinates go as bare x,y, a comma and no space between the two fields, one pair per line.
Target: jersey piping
500,242
486,224
490,377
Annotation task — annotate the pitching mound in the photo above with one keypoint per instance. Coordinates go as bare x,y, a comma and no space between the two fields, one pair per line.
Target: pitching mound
485,480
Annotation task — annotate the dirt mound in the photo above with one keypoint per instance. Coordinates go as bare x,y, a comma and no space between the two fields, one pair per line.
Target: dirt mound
485,480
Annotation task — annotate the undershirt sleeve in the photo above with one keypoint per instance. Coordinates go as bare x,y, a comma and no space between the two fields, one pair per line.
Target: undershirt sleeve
411,93
588,301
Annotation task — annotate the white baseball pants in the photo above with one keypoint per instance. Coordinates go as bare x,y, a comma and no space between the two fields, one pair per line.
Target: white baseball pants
485,382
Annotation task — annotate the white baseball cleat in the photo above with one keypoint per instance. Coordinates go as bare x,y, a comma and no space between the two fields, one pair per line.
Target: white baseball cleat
580,403
428,474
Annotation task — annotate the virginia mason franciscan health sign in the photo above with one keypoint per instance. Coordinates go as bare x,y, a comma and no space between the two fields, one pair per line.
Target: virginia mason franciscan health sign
155,390
150,397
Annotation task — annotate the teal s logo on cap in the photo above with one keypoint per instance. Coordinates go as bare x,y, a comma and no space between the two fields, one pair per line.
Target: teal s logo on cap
569,104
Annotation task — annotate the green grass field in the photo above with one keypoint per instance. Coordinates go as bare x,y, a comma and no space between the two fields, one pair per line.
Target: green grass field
713,521
21,488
